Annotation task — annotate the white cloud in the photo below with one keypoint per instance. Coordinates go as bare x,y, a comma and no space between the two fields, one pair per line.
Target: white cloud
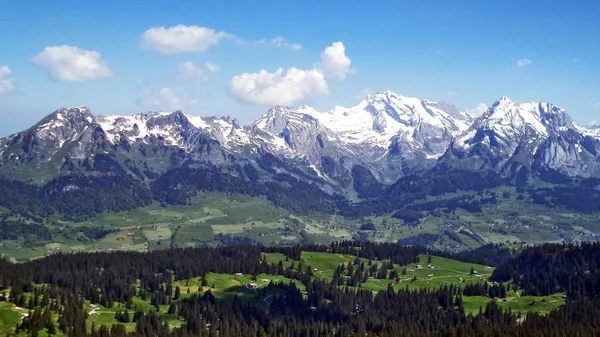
190,70
276,42
479,109
182,39
72,64
597,106
165,99
293,85
451,93
593,122
334,62
281,87
212,67
524,62
7,83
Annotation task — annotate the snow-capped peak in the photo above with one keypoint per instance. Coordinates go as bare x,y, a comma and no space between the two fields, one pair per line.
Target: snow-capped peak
382,94
506,117
507,124
380,117
65,117
505,100
511,135
71,113
173,127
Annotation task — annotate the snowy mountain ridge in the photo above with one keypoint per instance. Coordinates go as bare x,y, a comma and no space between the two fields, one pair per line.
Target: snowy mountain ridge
388,134
529,136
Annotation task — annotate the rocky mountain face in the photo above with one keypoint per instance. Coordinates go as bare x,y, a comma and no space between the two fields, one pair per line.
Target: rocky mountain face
387,133
71,139
383,138
527,138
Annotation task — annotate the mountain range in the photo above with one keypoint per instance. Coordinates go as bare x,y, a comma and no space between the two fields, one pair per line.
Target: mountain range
383,138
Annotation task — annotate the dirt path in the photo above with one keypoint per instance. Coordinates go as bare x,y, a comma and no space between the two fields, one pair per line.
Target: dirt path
268,303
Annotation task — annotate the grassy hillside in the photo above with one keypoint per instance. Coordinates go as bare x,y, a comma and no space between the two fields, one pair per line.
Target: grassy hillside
440,272
214,218
428,272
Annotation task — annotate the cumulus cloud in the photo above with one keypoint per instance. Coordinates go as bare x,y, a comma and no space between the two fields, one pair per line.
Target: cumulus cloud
7,83
524,62
479,109
72,64
451,93
285,87
182,39
293,85
190,70
334,62
165,99
277,42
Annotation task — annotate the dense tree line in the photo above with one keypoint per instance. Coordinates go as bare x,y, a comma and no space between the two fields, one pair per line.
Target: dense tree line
106,186
81,195
22,198
410,188
178,185
76,197
584,197
103,185
13,229
328,307
547,269
487,255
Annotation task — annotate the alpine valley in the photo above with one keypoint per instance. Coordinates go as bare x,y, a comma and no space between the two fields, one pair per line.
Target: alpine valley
391,168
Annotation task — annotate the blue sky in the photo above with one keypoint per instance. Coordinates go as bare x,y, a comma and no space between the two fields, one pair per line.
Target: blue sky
114,57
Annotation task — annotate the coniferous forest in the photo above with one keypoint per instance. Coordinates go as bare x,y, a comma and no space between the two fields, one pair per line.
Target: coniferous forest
57,288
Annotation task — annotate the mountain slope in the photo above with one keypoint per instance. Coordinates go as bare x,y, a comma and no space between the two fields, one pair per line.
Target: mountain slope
70,139
357,150
524,137
389,134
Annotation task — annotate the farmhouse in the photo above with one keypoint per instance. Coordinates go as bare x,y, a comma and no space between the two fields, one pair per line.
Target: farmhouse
430,275
409,269
239,274
419,266
251,285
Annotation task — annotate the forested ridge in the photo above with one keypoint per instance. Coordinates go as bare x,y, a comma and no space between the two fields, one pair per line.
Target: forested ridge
61,283
547,269
83,194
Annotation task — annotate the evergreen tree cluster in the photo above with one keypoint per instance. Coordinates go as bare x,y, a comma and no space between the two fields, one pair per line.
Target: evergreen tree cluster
550,268
75,197
61,284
